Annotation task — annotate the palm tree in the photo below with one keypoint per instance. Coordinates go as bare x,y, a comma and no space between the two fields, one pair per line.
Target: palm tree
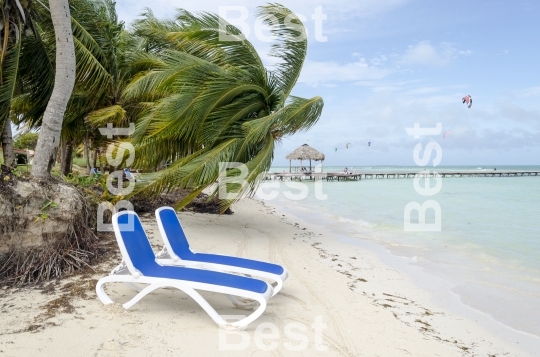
15,22
204,101
93,106
49,135
97,37
72,243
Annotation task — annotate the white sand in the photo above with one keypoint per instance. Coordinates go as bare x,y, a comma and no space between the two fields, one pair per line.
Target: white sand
386,315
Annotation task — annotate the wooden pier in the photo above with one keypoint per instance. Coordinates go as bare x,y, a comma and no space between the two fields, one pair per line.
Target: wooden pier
371,175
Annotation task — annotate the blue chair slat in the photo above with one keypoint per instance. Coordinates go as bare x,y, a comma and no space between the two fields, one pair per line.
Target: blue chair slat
180,245
143,259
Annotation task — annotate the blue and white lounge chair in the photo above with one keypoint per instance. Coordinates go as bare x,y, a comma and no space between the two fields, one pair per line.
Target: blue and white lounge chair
129,175
139,266
177,252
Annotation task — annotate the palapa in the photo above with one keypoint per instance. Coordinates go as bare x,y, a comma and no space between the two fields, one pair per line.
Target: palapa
305,152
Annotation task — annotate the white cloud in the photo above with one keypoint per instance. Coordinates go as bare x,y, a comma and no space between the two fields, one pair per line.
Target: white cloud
330,71
424,53
385,88
510,111
424,90
478,134
528,92
369,71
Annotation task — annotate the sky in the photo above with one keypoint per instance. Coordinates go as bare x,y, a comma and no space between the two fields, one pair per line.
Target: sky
388,64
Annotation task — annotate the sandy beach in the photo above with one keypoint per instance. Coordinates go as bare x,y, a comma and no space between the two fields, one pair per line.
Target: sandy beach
339,300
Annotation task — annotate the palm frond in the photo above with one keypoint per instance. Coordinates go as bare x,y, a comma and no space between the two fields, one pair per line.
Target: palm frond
36,76
203,101
8,80
290,47
257,167
114,114
200,171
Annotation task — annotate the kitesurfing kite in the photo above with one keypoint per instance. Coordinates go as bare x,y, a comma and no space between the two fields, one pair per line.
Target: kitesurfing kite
467,99
444,135
347,146
369,144
336,150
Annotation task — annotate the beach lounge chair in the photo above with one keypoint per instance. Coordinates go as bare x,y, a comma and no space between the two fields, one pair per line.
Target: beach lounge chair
139,266
176,251
129,175
133,176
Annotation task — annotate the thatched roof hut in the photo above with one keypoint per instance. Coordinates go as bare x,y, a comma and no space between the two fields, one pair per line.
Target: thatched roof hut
305,152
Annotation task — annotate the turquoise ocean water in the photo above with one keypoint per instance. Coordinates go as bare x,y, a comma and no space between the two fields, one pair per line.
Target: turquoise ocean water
489,246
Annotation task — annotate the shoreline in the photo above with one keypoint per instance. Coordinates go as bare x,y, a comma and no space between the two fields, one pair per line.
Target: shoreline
434,291
346,286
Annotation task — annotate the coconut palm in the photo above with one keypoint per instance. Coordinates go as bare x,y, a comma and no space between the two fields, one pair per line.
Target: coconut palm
99,41
15,22
102,105
206,101
60,245
64,80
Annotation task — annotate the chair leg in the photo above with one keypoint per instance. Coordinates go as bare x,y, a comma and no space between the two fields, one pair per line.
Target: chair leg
247,304
163,283
277,285
105,299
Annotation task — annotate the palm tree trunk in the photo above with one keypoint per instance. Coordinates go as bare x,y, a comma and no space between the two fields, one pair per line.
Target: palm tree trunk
101,164
62,157
55,155
87,155
95,158
49,136
7,145
67,158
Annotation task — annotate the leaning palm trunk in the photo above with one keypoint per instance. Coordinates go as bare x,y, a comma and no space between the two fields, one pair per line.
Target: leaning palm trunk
64,81
67,158
7,145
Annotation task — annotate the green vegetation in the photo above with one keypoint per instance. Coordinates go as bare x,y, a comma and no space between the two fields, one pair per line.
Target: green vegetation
79,161
196,100
26,141
209,101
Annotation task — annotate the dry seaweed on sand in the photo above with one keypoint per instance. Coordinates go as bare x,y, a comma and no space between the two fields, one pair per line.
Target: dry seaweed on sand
63,303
